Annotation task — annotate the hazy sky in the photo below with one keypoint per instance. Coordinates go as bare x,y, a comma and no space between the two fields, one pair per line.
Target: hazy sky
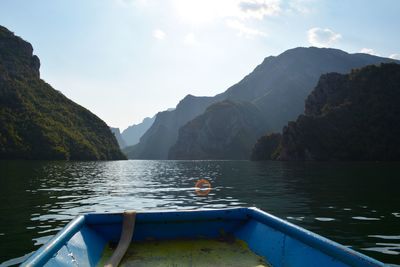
128,59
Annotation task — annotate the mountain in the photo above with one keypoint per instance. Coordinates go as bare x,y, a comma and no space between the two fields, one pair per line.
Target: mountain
118,136
158,139
278,87
132,134
227,129
347,117
38,122
267,147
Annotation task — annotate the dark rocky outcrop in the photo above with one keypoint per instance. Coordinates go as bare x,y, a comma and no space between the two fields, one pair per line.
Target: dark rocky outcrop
38,122
347,117
266,147
226,130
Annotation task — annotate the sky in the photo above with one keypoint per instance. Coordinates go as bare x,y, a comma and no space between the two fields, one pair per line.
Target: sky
125,60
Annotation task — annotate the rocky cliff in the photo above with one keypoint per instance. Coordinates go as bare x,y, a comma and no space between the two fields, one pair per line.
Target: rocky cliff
226,130
267,147
38,122
347,117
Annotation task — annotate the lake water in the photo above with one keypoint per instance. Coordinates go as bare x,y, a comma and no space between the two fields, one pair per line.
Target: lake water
356,204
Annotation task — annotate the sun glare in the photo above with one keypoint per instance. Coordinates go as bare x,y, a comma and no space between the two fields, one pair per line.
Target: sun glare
205,11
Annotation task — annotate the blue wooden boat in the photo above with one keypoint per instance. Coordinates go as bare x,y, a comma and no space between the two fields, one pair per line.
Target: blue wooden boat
225,237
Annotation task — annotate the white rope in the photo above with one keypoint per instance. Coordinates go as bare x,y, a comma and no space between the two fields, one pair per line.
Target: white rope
128,227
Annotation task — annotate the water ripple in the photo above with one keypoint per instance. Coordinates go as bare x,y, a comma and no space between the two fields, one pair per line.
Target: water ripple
38,198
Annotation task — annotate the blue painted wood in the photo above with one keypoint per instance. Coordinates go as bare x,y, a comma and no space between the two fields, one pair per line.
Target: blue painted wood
40,257
279,242
312,240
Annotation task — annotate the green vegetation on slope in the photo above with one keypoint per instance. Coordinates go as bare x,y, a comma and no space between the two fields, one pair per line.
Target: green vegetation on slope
266,147
347,117
38,122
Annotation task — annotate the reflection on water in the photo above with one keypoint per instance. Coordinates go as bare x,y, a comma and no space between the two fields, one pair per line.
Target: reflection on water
355,204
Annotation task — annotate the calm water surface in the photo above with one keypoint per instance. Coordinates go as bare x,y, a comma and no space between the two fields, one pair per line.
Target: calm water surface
356,204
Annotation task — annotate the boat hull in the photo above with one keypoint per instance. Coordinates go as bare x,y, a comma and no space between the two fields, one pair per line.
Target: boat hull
280,243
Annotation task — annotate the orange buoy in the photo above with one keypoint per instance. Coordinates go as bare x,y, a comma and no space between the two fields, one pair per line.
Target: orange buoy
203,187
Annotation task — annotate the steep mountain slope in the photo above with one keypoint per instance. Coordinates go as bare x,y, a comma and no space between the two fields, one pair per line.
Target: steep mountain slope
38,122
267,147
278,87
280,84
118,136
347,117
227,129
132,134
157,141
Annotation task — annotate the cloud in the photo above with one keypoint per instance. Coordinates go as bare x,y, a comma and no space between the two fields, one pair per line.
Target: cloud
302,6
368,51
206,11
395,56
322,37
190,39
236,14
124,2
131,3
243,30
258,9
159,34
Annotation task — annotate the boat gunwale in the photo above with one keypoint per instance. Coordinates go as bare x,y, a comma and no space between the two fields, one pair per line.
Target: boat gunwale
316,241
328,246
45,252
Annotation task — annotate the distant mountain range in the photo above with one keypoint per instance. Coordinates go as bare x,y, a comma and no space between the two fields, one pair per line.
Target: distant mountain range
118,136
275,92
354,116
159,138
132,134
38,122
